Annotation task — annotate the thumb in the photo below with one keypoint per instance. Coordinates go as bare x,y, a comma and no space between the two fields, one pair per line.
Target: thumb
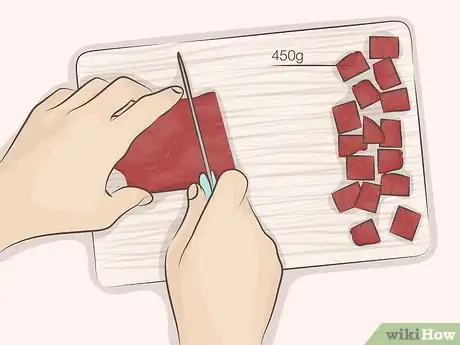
231,191
196,199
125,199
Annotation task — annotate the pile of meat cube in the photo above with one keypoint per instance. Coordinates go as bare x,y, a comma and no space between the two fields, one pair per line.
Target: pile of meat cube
364,193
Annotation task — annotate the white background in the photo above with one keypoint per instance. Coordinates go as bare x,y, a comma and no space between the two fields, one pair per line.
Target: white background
47,289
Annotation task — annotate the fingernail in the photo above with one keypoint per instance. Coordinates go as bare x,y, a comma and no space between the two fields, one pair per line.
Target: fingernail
177,89
205,185
213,179
147,200
192,191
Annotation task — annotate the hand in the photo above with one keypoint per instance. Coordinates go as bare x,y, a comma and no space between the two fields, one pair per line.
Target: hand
222,270
53,178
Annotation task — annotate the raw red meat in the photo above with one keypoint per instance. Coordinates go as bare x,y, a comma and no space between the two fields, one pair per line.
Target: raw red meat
360,168
167,157
381,47
389,160
346,117
369,197
365,93
350,144
365,233
372,134
405,223
395,184
385,74
392,131
352,65
395,100
345,198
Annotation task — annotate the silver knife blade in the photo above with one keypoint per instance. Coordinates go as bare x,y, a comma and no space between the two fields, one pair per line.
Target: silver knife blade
188,92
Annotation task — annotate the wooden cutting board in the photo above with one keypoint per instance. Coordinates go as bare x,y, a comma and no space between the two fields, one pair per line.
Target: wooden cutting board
282,135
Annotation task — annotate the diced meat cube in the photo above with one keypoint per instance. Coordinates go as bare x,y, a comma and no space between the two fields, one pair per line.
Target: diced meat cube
365,93
405,223
345,198
368,197
389,160
365,233
393,133
350,144
352,65
395,100
372,134
385,74
395,184
381,47
360,168
346,117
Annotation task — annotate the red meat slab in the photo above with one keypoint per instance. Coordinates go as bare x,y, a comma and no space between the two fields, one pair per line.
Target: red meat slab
350,144
395,100
372,134
389,160
365,93
352,65
360,168
346,117
392,132
381,47
345,198
385,74
395,184
167,156
369,197
405,223
365,233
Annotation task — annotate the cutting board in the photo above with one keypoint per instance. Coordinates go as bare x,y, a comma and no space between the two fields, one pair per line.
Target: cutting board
283,137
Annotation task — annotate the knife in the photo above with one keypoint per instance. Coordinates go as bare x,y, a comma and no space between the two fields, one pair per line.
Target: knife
188,91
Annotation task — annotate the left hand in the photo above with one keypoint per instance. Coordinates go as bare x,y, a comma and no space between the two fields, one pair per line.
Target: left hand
53,177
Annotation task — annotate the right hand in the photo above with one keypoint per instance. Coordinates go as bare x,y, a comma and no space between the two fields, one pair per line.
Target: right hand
222,270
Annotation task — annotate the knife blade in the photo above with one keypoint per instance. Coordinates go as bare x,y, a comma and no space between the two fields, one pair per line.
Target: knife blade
188,92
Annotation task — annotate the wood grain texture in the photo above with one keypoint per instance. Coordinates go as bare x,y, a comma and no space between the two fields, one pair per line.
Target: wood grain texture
283,137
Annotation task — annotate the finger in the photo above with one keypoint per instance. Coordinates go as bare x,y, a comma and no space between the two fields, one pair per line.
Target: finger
205,185
213,179
116,96
146,110
124,200
55,98
196,204
83,94
230,198
230,191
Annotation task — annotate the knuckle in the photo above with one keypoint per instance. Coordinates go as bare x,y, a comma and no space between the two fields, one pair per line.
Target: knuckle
97,81
61,92
64,90
121,80
128,85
